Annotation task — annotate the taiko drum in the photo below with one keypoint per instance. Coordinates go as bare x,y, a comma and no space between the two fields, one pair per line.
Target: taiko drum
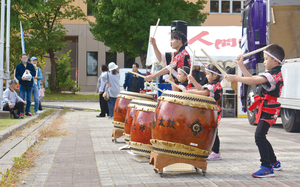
185,125
129,118
141,127
121,106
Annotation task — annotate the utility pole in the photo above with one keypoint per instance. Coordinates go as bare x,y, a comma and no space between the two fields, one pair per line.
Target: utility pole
2,74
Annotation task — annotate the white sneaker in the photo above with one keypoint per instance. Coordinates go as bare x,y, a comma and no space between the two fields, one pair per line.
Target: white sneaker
38,112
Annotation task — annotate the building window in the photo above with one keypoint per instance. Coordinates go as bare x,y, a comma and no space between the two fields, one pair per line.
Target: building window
92,64
89,8
226,6
110,57
214,6
128,61
236,6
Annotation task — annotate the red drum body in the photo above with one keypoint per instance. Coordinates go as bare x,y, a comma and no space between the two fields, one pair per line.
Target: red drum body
141,128
129,118
121,106
185,125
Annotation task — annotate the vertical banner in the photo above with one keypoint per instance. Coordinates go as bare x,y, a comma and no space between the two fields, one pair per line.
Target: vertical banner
22,39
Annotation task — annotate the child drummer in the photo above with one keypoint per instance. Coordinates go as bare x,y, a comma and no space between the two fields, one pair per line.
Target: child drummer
266,101
182,78
180,58
212,89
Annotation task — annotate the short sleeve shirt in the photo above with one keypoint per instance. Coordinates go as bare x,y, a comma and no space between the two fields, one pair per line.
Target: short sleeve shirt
275,82
181,58
215,89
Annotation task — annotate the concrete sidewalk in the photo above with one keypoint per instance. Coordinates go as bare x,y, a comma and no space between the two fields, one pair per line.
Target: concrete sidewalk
88,157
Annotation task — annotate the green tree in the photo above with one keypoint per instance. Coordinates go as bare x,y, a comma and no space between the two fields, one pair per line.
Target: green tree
42,26
123,25
63,80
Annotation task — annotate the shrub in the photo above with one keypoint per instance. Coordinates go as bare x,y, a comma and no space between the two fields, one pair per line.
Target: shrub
63,76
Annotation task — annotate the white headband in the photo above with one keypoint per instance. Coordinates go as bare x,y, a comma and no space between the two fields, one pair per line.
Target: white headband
274,57
183,71
214,72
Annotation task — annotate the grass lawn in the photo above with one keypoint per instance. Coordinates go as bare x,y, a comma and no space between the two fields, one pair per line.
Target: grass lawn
4,123
70,96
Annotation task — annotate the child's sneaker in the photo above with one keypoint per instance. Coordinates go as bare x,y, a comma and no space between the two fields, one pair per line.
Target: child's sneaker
264,172
28,114
277,166
214,156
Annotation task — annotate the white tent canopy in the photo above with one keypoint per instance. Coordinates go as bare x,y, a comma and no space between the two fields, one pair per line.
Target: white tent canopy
220,42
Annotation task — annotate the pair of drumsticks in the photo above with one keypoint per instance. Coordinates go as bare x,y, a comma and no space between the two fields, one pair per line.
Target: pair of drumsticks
192,65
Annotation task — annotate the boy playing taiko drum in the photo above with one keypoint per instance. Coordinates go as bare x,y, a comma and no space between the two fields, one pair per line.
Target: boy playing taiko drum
266,101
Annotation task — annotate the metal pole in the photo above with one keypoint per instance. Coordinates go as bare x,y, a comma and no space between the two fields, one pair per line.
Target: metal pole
7,39
2,48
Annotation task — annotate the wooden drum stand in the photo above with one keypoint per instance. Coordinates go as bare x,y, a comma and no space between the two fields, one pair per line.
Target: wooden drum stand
160,161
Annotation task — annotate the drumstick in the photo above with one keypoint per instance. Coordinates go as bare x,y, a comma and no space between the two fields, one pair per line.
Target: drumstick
156,27
214,63
153,86
171,67
136,74
175,85
145,81
254,52
192,65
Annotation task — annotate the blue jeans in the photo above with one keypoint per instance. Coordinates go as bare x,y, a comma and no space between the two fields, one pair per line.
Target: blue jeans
111,105
35,93
26,92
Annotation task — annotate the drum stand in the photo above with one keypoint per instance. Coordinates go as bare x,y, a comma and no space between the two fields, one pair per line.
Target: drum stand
160,161
116,133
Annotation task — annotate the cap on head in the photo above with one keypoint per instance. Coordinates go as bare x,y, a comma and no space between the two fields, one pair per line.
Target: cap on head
33,58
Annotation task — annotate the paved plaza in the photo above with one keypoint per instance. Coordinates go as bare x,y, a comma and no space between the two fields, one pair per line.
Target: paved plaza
88,157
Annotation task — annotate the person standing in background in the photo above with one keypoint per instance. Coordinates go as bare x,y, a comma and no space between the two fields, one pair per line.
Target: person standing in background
113,85
101,84
133,82
41,95
36,85
25,84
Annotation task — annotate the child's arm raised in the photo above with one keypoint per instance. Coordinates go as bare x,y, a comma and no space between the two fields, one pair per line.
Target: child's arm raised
253,80
195,83
242,66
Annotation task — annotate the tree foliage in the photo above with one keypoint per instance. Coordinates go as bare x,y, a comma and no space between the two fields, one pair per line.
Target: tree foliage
124,25
42,27
63,79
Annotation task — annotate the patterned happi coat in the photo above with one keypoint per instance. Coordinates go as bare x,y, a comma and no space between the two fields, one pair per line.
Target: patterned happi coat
215,91
266,101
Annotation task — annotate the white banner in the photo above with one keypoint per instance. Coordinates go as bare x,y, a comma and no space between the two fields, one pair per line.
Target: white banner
220,42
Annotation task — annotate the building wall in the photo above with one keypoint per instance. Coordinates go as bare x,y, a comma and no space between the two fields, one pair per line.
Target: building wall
85,43
215,19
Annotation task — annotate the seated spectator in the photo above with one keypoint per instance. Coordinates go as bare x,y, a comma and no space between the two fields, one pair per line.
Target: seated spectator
11,101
